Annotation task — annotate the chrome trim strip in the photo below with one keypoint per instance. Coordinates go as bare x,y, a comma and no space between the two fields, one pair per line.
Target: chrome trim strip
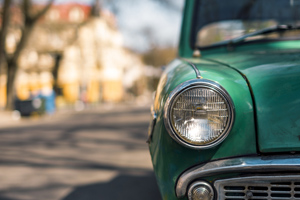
152,125
205,84
237,165
198,74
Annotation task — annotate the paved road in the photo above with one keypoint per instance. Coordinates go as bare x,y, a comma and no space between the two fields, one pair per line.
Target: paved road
98,154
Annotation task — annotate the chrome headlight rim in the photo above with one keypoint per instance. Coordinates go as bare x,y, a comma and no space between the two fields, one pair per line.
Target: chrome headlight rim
198,83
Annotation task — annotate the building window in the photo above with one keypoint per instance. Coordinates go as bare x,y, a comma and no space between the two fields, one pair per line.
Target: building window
76,15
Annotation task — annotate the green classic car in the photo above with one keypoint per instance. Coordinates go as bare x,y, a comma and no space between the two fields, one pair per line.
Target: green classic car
226,115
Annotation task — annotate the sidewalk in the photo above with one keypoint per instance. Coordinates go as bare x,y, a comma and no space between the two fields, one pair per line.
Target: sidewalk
7,118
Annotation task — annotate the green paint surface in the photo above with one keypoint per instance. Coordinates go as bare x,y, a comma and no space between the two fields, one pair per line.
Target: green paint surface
185,49
273,70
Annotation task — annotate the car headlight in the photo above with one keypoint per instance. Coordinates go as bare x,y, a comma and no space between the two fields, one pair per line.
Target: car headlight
199,114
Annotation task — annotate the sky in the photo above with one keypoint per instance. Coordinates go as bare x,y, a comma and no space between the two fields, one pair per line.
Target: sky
144,23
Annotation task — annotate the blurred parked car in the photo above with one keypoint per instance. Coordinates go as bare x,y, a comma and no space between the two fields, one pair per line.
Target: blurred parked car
30,106
226,115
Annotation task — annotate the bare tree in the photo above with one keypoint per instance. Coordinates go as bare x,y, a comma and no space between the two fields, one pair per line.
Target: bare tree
4,28
11,61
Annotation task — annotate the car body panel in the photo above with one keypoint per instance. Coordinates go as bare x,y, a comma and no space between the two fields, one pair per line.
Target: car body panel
273,74
169,158
185,49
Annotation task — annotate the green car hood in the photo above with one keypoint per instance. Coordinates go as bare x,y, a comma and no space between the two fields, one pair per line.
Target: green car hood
274,76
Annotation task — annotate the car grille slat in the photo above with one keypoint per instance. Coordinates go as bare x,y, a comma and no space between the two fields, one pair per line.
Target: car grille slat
259,188
232,190
281,192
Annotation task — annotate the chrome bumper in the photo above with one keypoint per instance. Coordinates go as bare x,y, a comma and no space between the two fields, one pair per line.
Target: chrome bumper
237,165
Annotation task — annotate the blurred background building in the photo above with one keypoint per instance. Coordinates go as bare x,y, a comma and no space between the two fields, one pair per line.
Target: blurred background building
76,56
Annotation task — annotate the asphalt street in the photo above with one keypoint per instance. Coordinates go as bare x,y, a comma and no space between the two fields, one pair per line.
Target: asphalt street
96,154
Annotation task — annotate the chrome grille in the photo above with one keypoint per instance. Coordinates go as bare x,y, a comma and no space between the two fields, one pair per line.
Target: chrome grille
259,188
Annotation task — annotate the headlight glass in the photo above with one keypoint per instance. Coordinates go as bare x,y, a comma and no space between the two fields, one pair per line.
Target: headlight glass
200,115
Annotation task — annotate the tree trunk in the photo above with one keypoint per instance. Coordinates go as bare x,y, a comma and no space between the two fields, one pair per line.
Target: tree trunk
10,82
58,58
12,67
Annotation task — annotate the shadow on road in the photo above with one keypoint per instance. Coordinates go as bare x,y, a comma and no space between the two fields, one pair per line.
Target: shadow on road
4,198
122,187
90,155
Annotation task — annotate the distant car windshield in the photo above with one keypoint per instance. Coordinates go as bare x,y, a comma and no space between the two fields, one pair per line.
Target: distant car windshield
221,20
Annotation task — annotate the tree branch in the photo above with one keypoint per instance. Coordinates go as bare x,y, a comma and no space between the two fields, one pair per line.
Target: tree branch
43,11
29,23
25,35
26,8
